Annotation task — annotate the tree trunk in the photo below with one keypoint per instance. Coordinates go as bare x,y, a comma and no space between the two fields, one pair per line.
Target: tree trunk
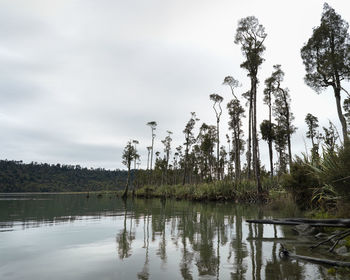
185,165
217,150
125,194
288,127
271,158
237,167
256,161
148,159
270,140
249,152
152,151
340,113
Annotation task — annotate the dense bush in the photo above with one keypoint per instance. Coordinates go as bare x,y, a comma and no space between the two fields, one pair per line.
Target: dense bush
334,170
301,182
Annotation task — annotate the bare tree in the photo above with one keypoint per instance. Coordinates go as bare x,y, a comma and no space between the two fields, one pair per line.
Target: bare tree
153,126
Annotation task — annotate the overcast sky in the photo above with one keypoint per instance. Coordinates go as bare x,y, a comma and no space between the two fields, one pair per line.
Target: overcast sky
79,78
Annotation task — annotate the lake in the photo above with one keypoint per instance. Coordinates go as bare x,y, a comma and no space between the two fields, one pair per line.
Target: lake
70,236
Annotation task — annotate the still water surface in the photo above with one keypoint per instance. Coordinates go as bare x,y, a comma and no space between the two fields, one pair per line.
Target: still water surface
59,236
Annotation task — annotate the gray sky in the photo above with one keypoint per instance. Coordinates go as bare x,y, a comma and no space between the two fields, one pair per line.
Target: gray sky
79,78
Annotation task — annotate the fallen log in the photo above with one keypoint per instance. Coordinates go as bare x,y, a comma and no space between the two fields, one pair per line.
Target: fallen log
343,223
336,237
284,253
271,239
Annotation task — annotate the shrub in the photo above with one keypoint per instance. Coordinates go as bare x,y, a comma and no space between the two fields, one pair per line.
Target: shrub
334,170
300,182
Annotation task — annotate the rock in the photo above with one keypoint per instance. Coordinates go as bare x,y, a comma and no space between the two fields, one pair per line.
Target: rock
321,235
305,229
342,242
341,250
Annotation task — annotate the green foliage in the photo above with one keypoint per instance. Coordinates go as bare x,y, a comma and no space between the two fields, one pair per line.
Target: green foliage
332,271
326,54
324,197
334,169
251,35
300,182
267,130
219,190
129,154
15,176
326,57
269,183
347,241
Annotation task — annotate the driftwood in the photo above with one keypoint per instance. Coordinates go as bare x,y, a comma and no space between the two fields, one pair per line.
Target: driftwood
335,237
343,223
286,254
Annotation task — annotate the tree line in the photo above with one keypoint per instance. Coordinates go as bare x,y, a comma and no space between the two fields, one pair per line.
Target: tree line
16,176
203,158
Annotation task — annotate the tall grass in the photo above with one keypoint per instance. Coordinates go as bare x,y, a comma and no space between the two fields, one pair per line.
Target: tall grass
246,190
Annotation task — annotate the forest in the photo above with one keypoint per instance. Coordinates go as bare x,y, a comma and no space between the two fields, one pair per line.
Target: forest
16,176
320,177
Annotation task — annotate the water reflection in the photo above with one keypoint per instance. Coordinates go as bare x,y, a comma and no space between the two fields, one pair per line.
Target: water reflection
213,240
157,239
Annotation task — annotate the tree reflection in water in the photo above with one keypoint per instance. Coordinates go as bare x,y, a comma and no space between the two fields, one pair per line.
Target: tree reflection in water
125,237
205,240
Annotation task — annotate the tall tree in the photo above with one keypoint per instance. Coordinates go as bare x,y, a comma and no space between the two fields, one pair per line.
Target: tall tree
149,149
326,57
230,167
129,155
189,141
281,145
267,127
206,140
330,137
236,113
222,161
247,95
135,142
250,35
167,149
313,134
153,126
217,99
312,125
281,108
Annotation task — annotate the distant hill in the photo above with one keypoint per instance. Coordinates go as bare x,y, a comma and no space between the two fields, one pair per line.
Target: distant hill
16,176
